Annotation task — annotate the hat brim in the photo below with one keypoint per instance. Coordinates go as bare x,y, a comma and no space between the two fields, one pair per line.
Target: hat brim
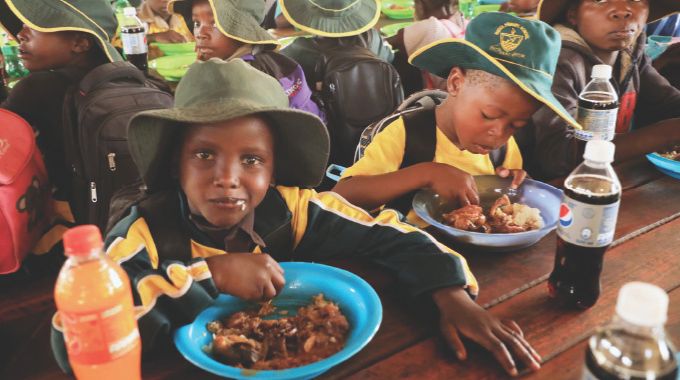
153,134
441,56
229,20
553,11
53,16
360,17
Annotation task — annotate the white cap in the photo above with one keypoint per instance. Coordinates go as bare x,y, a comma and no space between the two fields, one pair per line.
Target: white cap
600,151
601,72
131,11
642,304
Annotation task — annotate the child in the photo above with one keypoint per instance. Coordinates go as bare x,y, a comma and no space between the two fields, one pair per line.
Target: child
221,170
58,46
163,26
496,79
609,32
234,31
339,23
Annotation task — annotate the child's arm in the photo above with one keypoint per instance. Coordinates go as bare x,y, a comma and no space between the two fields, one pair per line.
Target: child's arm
657,99
253,277
658,137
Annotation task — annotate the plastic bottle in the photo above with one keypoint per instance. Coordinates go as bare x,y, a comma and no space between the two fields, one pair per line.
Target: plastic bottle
586,226
633,346
467,8
133,35
598,106
13,68
96,310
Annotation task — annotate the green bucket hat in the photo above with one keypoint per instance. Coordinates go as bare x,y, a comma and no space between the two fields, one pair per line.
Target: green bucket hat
554,11
212,92
519,50
237,19
332,18
94,17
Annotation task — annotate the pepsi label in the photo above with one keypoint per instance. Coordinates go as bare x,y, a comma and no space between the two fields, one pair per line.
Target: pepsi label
585,224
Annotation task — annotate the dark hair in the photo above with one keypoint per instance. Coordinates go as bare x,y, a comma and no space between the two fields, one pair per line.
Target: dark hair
431,6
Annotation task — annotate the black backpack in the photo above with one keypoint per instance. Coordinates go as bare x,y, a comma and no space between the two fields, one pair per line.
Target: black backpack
356,88
421,137
95,119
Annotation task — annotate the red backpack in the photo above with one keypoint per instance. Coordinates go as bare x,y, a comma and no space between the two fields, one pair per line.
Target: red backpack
24,191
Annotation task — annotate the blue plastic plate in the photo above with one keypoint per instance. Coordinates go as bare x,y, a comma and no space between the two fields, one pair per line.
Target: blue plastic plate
665,165
356,298
430,207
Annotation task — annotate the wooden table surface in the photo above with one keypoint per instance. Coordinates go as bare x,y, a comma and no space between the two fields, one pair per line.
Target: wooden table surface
408,344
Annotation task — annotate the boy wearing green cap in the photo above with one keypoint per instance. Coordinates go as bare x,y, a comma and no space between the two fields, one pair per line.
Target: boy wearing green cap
229,29
496,79
229,170
59,43
605,32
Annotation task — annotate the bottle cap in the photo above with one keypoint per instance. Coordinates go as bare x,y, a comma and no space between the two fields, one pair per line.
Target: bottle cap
131,12
601,72
82,240
642,304
600,151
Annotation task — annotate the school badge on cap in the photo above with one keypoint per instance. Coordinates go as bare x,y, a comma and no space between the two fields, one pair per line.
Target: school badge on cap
511,35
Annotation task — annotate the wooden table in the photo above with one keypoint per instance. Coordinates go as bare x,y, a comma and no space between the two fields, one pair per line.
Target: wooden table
408,345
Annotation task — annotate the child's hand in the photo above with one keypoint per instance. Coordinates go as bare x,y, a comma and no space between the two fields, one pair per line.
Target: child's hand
452,183
461,315
518,175
253,277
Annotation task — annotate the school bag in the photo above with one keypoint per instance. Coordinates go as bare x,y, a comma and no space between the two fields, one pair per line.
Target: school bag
356,88
24,192
95,119
421,137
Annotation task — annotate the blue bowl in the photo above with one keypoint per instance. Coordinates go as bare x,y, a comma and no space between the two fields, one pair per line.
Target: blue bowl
430,207
356,298
665,165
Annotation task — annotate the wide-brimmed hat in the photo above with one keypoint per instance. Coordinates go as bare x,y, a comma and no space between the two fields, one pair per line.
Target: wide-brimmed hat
94,17
237,19
519,50
214,91
332,18
554,11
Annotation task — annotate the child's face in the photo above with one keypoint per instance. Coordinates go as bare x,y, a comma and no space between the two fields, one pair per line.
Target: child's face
210,42
160,7
226,168
45,51
609,25
485,115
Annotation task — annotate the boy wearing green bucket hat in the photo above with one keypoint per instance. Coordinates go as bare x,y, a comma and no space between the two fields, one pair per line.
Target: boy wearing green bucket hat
228,169
59,43
229,29
612,33
496,79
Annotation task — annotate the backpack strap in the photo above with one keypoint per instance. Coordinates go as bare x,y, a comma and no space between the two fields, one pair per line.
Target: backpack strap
421,141
110,72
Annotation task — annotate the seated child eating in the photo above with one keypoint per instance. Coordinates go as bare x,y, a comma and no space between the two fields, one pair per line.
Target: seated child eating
227,185
163,26
607,32
228,29
496,79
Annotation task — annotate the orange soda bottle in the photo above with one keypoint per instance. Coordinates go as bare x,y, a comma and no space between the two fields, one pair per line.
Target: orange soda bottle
95,305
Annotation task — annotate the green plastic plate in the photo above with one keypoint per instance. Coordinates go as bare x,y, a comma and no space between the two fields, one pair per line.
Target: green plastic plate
173,67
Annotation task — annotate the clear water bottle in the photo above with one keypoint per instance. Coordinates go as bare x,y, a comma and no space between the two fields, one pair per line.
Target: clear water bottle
133,35
588,213
633,346
467,8
598,106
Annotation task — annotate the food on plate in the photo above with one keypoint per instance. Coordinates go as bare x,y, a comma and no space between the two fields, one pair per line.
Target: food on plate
397,7
503,217
672,154
246,340
469,218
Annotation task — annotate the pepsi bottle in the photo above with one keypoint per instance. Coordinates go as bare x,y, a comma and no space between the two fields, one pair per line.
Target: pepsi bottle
586,226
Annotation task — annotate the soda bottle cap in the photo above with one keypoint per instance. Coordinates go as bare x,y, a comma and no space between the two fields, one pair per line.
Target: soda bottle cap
82,240
601,72
599,151
642,304
131,12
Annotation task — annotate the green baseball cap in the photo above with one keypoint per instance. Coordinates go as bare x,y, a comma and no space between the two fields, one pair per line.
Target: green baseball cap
237,19
331,18
519,50
555,11
94,17
212,92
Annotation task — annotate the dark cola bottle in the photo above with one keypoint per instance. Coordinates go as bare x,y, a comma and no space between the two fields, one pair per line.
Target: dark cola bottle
598,106
586,226
133,36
